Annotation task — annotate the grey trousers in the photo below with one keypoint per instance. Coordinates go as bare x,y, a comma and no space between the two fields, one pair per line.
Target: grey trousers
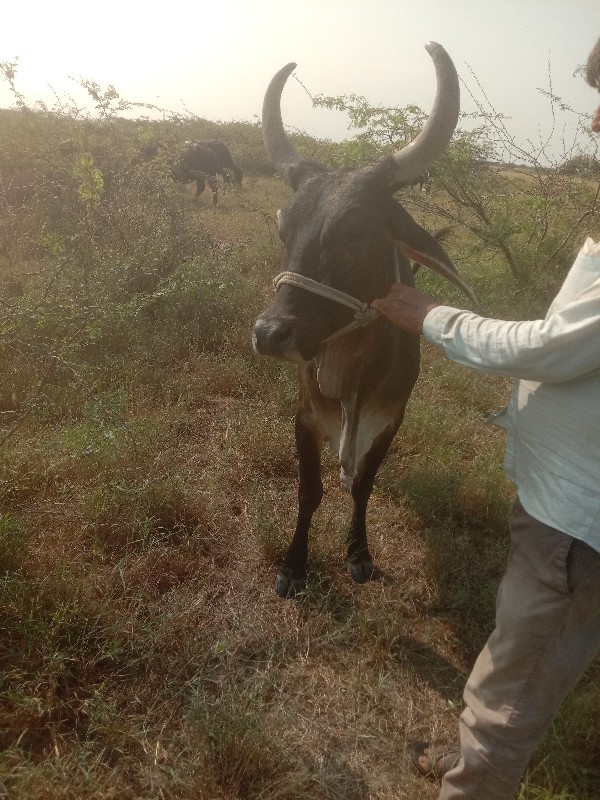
547,633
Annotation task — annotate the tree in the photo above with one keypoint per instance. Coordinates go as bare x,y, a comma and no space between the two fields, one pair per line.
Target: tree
513,201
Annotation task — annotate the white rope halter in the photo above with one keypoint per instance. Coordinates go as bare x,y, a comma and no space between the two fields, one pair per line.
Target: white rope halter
363,313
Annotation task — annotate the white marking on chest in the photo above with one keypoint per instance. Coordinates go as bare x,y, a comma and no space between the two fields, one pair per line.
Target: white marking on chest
350,433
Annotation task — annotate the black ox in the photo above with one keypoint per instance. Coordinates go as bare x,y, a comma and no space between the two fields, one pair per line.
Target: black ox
203,161
343,230
423,181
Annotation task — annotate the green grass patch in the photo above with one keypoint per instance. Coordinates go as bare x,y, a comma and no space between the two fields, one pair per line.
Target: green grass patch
148,491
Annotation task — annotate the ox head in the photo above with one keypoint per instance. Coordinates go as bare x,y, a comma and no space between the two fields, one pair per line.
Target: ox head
341,228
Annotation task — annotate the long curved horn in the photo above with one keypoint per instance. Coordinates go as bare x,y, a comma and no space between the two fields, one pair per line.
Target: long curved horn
433,139
280,150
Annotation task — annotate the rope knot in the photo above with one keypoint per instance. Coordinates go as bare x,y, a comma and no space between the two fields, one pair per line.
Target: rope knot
365,315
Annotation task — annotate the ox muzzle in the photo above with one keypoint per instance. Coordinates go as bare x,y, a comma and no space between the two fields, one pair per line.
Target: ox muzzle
286,337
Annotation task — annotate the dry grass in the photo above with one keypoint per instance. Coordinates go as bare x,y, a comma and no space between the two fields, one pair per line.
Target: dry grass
144,652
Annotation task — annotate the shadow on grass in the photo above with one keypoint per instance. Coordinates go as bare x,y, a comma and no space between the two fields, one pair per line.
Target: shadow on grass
467,544
429,666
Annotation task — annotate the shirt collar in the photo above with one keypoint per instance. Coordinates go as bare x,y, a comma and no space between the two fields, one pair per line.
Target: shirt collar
591,248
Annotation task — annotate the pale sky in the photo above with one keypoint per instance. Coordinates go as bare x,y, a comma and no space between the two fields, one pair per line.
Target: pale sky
216,57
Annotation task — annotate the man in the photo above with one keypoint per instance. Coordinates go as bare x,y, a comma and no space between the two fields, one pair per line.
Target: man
548,607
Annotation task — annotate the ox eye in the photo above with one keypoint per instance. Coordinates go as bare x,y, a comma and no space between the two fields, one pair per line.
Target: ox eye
332,268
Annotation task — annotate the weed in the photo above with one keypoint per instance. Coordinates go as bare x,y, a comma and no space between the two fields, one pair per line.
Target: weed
148,489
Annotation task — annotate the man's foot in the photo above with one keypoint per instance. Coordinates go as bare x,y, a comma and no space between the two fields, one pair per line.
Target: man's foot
434,760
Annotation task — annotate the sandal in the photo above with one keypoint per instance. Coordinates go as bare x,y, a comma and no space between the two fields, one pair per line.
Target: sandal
441,758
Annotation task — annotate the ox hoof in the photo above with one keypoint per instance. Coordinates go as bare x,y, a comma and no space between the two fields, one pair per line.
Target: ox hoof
361,570
287,586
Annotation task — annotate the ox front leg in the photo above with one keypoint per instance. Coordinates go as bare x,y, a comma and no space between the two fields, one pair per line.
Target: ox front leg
291,578
200,186
214,187
360,563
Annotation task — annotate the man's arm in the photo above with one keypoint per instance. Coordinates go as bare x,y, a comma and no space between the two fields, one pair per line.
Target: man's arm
564,346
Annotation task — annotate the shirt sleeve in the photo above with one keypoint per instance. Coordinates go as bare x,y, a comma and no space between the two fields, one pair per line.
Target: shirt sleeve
562,347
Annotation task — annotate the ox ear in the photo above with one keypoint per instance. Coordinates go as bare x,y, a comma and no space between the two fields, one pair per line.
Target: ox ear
299,173
423,248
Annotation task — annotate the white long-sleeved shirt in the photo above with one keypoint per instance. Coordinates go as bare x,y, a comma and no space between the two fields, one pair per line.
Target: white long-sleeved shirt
553,418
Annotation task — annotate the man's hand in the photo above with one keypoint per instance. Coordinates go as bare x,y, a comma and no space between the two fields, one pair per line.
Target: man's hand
405,307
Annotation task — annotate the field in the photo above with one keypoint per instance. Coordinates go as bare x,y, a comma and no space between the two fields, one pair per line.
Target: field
147,493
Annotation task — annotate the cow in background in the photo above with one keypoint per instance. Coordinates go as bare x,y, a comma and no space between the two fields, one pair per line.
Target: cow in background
423,181
229,169
203,161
